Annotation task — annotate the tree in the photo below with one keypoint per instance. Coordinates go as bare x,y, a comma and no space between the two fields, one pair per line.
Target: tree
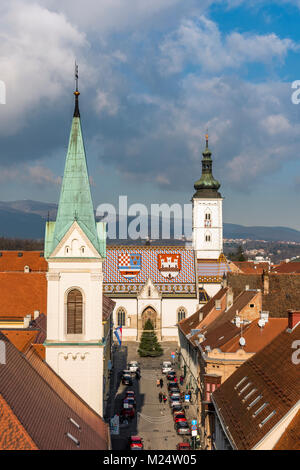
149,345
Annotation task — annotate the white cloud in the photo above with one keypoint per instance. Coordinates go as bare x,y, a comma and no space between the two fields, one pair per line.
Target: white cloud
37,52
200,42
36,174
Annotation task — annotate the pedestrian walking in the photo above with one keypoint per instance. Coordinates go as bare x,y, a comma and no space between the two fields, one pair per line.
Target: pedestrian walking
158,383
161,383
160,396
138,375
181,380
164,398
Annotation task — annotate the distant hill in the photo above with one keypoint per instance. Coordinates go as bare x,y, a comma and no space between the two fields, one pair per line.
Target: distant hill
26,219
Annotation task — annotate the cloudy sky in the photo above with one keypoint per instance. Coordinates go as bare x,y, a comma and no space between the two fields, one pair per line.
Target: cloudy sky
153,76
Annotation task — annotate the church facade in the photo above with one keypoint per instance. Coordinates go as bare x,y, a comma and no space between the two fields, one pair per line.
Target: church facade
169,283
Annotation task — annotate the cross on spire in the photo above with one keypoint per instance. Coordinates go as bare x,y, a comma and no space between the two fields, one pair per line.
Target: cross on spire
76,93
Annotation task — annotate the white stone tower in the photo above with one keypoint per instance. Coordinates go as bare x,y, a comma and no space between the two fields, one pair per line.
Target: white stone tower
207,212
75,249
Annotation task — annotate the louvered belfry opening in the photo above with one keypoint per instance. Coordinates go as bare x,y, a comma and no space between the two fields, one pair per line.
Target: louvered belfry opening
74,312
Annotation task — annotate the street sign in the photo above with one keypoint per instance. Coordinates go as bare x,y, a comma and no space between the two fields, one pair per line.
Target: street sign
194,433
194,422
187,397
172,355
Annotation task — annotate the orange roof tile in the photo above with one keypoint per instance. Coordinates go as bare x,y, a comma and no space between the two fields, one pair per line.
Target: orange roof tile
22,293
250,267
273,380
290,439
21,339
10,261
256,337
13,436
292,267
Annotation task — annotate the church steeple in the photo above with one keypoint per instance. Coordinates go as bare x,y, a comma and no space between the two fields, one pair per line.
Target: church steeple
207,186
75,202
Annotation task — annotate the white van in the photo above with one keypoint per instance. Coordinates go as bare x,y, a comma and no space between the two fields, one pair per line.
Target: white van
166,367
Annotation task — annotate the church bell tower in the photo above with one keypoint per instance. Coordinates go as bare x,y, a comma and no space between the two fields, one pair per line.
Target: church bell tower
207,212
75,250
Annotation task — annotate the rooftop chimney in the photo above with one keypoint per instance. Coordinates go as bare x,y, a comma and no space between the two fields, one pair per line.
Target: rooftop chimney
266,282
294,318
27,320
36,314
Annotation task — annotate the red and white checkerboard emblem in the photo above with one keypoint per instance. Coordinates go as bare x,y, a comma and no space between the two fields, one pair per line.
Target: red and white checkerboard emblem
130,264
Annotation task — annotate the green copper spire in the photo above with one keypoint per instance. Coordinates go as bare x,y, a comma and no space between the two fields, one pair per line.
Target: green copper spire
207,186
75,202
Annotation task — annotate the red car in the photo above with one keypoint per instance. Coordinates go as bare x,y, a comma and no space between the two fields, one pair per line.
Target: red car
180,419
183,446
136,443
128,412
179,416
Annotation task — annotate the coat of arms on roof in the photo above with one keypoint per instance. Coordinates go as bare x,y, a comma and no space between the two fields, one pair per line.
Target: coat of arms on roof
130,264
169,264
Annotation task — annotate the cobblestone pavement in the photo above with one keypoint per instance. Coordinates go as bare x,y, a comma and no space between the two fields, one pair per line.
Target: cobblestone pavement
153,421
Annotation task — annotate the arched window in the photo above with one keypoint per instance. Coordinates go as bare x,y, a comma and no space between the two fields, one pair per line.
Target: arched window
181,313
121,316
74,312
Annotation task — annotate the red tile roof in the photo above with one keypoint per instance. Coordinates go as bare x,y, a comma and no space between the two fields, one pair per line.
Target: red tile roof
256,338
193,321
270,373
10,261
292,267
290,439
13,436
250,267
22,293
33,392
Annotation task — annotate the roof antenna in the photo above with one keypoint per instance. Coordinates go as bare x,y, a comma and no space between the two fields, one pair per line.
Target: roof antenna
76,93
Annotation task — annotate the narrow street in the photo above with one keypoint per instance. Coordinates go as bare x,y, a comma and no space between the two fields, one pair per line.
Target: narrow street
153,420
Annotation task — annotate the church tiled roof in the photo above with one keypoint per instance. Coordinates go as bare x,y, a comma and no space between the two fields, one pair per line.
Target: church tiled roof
212,271
183,284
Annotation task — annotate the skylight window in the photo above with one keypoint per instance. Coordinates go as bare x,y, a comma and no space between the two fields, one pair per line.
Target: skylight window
74,422
254,402
249,394
267,418
262,407
244,388
70,436
240,382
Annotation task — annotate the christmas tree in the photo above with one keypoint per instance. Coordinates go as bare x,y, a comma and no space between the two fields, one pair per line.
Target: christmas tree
149,345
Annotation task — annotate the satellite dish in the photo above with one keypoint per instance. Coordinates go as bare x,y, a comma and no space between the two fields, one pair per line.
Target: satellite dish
261,322
242,341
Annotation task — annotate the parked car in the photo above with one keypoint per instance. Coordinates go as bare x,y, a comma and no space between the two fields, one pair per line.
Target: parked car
136,443
126,379
130,394
174,401
182,427
179,414
133,366
177,407
129,402
166,367
174,395
172,384
128,412
183,446
171,374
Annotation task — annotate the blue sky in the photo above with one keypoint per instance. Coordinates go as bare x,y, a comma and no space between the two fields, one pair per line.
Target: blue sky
153,76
